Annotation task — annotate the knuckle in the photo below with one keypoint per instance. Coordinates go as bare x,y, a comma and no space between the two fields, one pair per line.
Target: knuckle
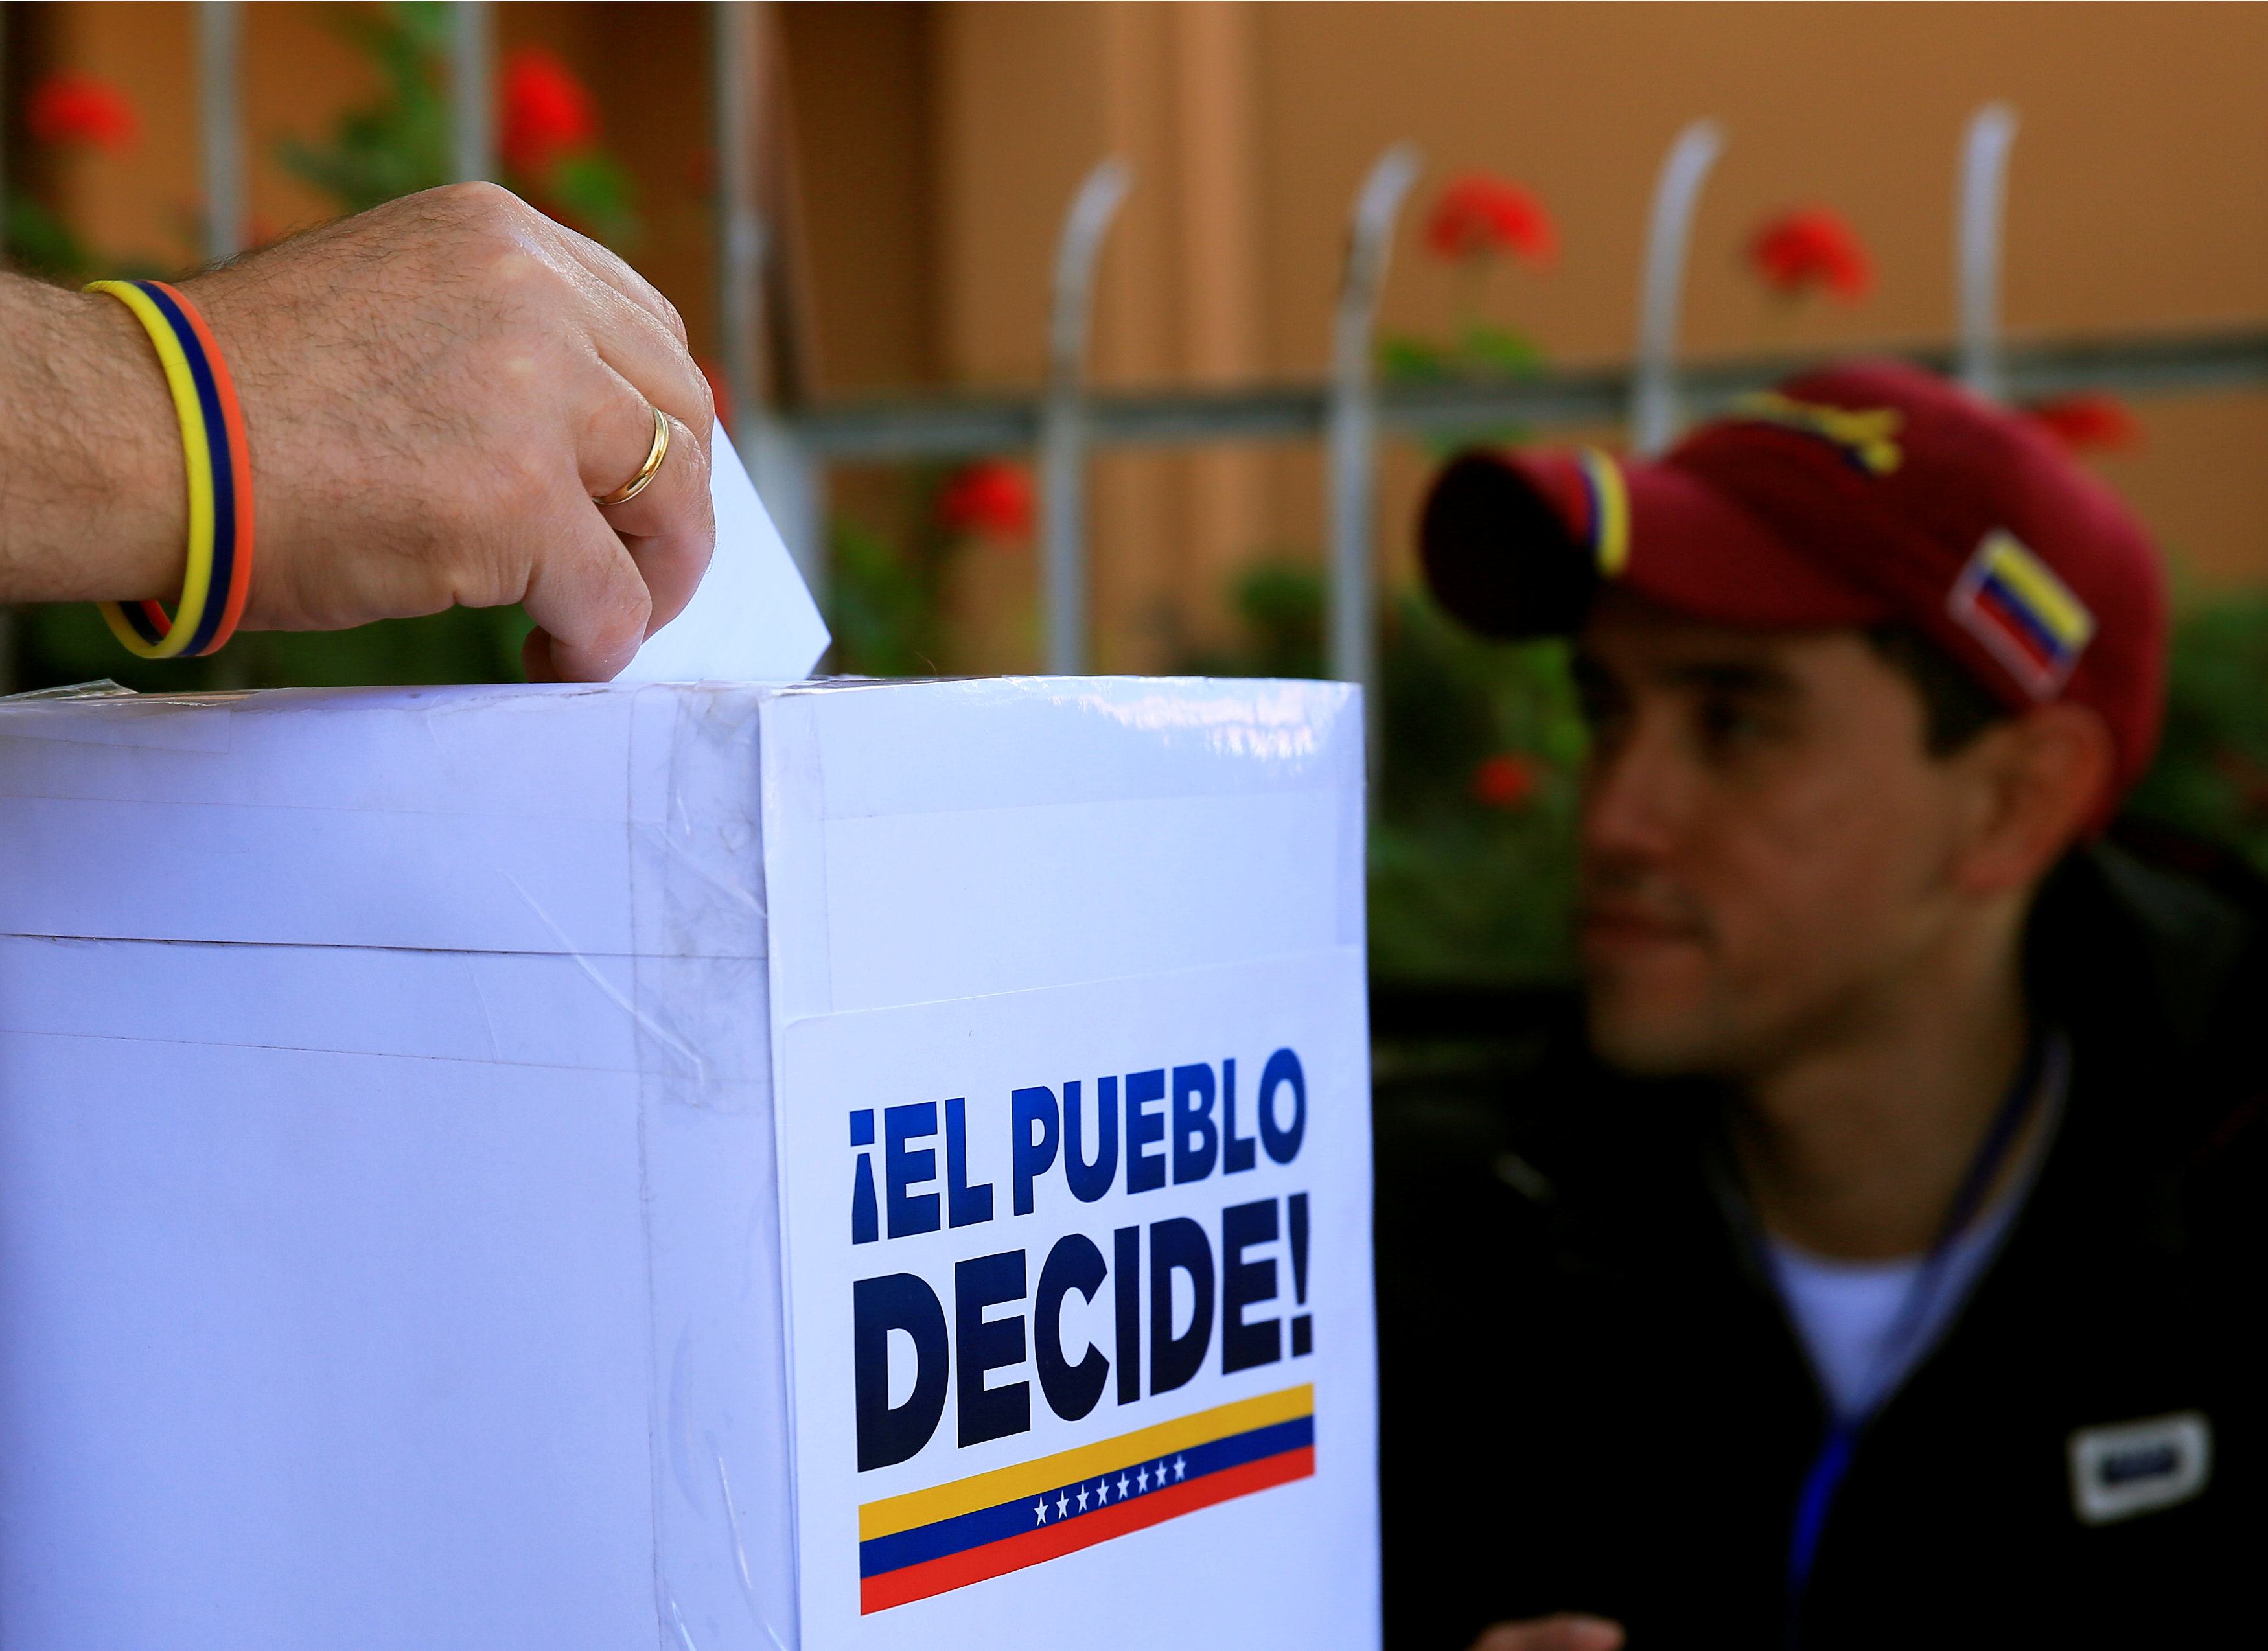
526,488
481,202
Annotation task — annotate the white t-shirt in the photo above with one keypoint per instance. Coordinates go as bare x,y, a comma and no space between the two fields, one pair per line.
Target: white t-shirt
1848,1312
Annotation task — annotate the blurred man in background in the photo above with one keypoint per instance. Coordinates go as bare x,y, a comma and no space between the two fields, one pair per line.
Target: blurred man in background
1880,1264
435,394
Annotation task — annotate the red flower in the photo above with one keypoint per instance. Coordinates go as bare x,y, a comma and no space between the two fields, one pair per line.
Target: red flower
1812,248
1504,781
70,108
1478,216
990,498
547,111
2087,420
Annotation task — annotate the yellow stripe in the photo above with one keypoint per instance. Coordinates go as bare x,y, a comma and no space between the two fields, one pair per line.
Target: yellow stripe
127,637
2031,579
1864,432
1611,532
895,1513
196,458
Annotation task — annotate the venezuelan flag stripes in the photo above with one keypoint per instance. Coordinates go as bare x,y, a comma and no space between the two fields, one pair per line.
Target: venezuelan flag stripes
932,1541
2027,618
216,573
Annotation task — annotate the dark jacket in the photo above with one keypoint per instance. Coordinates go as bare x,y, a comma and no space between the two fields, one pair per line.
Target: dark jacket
1592,1400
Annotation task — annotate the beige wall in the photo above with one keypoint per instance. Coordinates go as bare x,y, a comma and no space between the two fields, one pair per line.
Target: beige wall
1032,98
2139,186
2139,200
143,205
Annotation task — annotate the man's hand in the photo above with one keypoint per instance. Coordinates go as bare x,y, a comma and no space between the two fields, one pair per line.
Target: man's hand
433,393
1562,1631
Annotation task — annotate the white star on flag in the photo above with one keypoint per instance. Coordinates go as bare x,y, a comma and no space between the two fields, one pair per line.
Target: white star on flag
1063,1504
1041,1508
1180,1468
1142,1479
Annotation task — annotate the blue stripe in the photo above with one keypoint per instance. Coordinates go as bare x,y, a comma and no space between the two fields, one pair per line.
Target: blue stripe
140,623
2014,604
880,1555
1598,510
224,471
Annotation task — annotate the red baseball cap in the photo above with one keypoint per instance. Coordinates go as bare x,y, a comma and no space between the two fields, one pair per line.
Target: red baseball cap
1867,493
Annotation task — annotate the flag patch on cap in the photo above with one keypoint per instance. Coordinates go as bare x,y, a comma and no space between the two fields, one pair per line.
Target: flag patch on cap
2027,618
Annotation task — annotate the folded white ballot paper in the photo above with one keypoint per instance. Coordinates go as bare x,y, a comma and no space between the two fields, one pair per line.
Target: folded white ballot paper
703,1168
753,619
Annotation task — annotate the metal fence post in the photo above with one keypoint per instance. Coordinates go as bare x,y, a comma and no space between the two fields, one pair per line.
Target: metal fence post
790,479
1654,414
1351,425
787,475
1062,421
1976,246
472,120
739,236
220,124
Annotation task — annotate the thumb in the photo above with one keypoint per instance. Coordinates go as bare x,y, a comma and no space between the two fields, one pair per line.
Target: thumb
1567,1631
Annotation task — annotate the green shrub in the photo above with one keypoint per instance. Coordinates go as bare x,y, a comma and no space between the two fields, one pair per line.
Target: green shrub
2211,776
1467,884
1472,840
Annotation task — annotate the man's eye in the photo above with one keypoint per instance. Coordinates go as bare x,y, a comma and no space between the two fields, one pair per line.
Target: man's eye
1727,723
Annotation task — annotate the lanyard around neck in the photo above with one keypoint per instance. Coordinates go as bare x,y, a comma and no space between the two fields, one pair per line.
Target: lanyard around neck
2043,1070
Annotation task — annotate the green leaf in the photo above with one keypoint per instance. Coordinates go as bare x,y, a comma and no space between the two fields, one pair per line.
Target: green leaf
41,244
594,193
399,144
2211,774
1498,352
1403,359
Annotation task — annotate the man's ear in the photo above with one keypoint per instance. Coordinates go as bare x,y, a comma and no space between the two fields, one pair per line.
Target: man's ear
2040,778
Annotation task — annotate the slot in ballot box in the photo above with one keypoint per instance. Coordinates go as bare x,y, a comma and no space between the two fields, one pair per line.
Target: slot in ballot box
701,1167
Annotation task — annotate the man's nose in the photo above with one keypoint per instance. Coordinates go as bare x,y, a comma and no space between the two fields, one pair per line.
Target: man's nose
1634,796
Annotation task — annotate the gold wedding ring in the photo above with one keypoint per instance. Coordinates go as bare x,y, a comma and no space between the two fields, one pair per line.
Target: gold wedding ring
637,484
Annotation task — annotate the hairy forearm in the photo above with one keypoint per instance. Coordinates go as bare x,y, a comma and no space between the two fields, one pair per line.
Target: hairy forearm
434,395
92,501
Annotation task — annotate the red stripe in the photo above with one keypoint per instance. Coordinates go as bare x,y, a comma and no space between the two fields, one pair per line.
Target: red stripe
2001,607
239,450
1048,1542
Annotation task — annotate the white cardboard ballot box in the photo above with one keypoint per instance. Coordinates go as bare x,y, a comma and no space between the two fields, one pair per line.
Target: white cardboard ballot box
698,1167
